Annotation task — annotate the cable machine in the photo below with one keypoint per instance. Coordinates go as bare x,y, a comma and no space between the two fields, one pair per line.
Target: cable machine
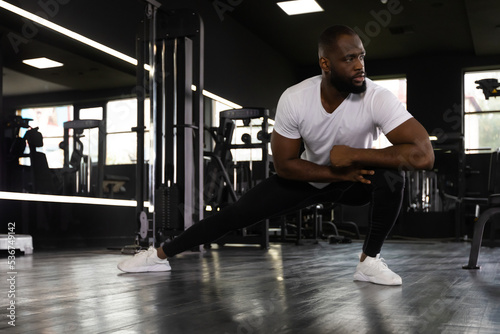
170,74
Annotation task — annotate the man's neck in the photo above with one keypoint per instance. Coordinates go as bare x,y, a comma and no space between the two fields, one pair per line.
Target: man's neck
331,98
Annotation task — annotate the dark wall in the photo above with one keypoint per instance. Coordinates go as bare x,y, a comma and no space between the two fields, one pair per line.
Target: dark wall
76,225
70,225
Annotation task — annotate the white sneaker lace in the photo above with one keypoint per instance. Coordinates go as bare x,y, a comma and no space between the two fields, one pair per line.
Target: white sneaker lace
150,249
380,262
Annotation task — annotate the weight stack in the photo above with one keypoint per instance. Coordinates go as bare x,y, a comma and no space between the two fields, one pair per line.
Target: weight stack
167,208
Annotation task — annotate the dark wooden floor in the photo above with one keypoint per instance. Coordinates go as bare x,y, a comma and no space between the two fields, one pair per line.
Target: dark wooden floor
287,289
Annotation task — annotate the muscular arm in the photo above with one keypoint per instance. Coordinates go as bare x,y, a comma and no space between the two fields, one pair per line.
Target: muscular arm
289,165
411,150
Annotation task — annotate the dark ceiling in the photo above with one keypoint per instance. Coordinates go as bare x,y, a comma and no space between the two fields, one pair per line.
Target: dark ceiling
405,28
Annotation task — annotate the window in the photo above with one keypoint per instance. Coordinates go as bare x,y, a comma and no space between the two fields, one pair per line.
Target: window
121,142
481,115
50,122
398,87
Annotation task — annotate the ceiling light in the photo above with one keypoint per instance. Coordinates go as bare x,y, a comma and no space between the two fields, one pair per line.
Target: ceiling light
42,63
66,32
220,99
96,45
300,7
13,196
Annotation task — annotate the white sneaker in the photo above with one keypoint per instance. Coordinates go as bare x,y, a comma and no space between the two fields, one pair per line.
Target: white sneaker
375,270
144,261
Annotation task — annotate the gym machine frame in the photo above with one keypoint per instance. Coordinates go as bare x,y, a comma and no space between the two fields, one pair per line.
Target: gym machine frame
217,171
83,167
170,72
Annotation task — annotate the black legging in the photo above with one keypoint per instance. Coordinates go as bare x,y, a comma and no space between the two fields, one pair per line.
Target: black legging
276,196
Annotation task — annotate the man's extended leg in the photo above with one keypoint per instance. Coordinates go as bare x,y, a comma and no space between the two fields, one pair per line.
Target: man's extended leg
272,197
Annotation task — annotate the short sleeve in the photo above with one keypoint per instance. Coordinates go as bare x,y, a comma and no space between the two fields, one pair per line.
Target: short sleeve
285,122
388,111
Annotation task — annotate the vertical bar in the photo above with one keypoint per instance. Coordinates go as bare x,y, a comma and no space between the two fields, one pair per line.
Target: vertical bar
89,162
175,108
185,163
66,177
170,115
265,143
78,176
101,151
152,97
460,211
141,97
198,118
163,101
3,171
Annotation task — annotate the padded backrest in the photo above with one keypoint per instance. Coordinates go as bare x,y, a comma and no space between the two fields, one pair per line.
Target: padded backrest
42,177
494,175
17,148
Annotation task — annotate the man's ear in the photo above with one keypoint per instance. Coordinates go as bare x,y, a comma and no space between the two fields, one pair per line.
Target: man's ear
324,64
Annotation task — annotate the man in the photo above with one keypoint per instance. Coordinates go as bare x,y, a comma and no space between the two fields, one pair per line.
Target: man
336,116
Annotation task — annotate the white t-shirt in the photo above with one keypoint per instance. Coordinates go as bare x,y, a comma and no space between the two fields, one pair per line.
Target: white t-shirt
357,122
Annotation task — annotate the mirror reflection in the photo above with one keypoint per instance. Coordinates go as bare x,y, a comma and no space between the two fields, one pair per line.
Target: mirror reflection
67,128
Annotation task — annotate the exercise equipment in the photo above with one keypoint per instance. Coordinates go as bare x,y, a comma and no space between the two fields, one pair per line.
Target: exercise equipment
422,191
23,242
492,210
450,168
315,222
220,188
12,132
42,178
490,87
170,46
77,168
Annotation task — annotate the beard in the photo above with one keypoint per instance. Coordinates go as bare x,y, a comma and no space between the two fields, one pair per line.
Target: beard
346,86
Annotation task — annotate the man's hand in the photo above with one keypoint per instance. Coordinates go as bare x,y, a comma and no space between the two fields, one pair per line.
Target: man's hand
353,174
288,164
341,156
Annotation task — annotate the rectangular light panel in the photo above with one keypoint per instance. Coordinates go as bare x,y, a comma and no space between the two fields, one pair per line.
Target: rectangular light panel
296,7
42,63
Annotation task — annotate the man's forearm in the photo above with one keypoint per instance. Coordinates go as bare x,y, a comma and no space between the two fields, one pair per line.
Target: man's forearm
402,157
303,170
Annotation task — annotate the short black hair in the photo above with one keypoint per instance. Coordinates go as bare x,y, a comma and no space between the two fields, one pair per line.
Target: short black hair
329,36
